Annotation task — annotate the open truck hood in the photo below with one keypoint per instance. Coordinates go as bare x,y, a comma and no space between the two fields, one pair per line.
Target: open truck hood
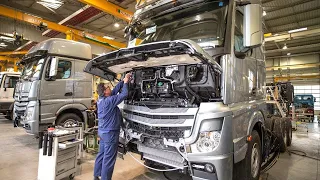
154,54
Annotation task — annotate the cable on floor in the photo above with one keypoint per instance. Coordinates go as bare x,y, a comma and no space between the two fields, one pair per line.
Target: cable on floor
301,153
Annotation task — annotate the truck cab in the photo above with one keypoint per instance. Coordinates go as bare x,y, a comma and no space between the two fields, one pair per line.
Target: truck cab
8,81
53,89
196,101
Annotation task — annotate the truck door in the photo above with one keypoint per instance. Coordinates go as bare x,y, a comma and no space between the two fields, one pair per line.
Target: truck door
57,92
7,83
7,88
82,84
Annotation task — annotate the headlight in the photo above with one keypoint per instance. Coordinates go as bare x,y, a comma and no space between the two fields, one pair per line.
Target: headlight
207,142
29,113
121,133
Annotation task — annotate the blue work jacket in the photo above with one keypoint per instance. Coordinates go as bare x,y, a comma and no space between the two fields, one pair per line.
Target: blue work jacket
109,114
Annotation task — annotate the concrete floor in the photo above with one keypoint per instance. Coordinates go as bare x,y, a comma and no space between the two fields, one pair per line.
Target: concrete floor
19,159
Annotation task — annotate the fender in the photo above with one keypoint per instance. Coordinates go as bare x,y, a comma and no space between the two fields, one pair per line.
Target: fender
255,117
82,108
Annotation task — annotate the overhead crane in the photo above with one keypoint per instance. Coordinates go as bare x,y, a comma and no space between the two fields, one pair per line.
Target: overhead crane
110,8
13,53
5,59
290,78
76,34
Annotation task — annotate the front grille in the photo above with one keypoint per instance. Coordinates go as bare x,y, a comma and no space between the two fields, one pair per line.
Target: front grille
170,158
20,108
158,132
150,116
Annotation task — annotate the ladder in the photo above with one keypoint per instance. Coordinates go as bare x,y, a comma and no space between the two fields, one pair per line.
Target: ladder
274,97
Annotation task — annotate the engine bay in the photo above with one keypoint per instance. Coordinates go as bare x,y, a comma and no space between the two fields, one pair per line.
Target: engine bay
174,85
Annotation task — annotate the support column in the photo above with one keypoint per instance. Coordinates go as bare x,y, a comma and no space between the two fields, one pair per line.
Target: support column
15,67
70,36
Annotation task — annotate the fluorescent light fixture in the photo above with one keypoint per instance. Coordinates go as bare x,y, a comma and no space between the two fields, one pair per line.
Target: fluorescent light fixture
264,13
285,46
108,37
3,45
6,38
288,54
116,25
276,35
51,4
297,30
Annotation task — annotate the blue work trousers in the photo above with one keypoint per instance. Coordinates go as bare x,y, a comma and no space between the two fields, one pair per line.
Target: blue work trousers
107,155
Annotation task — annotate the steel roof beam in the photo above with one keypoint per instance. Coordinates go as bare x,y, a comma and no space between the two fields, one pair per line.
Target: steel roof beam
288,5
295,13
312,32
11,13
296,22
110,8
49,16
293,48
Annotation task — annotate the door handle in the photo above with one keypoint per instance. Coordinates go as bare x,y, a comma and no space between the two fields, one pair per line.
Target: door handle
68,94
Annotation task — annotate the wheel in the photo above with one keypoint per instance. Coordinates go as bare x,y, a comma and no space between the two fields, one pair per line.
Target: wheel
289,132
249,168
71,176
68,120
9,116
280,131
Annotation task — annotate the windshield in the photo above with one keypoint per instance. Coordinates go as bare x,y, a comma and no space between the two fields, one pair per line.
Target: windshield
32,69
203,23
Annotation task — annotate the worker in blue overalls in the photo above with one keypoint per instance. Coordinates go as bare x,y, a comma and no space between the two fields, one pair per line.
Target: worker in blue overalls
110,119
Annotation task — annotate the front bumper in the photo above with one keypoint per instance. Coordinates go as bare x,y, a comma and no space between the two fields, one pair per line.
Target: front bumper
29,122
222,164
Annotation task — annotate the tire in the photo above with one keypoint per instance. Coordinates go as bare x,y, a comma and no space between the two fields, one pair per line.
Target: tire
68,119
289,132
9,116
279,128
249,168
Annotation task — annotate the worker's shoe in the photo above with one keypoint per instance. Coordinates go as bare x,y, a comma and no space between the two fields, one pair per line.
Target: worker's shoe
96,178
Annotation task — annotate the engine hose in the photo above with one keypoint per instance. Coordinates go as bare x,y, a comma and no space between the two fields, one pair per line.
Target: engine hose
160,170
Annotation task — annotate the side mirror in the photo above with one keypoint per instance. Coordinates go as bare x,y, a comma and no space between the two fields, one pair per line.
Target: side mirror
7,82
252,25
53,67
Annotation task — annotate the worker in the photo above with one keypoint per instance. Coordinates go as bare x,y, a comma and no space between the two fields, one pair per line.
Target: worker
110,119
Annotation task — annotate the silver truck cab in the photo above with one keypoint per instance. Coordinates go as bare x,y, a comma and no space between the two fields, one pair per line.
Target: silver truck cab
8,81
196,100
53,89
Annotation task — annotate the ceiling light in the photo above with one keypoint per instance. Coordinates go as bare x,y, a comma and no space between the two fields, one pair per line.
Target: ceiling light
276,35
3,45
6,38
285,46
116,24
108,37
51,4
297,30
264,13
288,54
